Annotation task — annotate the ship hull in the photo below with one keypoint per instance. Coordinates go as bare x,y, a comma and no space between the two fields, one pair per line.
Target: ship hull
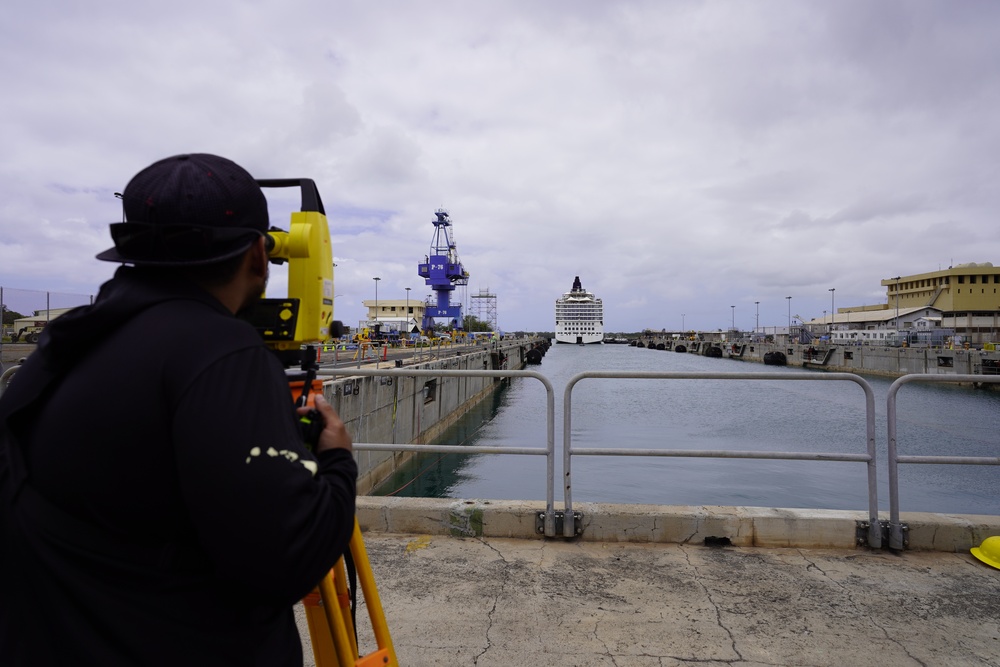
576,339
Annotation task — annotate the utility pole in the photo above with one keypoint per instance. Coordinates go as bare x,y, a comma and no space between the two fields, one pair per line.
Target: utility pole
897,304
832,311
408,332
789,318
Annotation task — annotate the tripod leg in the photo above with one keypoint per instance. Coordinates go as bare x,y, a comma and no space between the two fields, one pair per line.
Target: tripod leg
366,580
344,602
336,626
331,626
323,649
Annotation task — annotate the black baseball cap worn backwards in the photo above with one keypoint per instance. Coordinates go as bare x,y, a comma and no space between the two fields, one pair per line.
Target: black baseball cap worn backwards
188,210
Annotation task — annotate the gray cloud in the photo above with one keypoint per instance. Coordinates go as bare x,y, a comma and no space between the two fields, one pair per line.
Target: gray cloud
678,156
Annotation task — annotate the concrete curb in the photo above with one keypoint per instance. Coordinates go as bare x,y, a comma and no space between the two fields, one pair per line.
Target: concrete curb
742,526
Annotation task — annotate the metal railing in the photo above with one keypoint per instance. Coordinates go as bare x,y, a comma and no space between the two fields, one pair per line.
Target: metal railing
896,540
868,458
550,429
570,527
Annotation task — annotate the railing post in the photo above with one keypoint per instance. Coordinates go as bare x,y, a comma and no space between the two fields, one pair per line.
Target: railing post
568,522
895,528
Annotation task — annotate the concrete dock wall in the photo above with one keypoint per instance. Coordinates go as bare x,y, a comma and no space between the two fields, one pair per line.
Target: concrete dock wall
888,361
614,523
415,410
871,359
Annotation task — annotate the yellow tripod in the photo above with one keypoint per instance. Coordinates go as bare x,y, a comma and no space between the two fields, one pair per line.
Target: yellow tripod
328,612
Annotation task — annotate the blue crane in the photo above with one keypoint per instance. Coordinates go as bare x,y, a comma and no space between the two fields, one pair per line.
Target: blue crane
442,270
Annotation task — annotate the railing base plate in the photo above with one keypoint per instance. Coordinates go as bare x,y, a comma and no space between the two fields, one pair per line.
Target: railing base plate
861,533
560,518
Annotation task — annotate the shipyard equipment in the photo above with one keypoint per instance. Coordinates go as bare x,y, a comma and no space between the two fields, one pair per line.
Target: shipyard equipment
305,316
485,308
443,271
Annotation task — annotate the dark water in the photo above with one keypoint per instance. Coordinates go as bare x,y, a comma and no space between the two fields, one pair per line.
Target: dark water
711,414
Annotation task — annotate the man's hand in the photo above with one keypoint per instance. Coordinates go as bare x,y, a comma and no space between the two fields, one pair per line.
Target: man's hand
334,434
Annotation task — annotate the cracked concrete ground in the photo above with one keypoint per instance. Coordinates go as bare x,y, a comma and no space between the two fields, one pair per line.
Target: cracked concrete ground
491,602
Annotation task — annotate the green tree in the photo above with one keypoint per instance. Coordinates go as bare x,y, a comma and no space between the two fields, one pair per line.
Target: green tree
10,315
473,323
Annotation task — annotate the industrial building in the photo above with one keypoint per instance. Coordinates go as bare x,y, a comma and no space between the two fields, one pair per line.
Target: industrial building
396,314
964,298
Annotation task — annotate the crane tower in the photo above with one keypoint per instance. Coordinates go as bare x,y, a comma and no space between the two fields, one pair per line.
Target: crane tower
442,271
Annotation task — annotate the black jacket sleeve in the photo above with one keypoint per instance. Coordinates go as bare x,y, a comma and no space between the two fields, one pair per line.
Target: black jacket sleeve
272,518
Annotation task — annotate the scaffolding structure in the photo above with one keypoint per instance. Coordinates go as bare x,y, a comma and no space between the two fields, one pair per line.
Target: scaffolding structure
484,307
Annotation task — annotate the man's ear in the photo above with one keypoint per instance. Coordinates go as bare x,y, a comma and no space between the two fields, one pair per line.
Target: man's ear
258,257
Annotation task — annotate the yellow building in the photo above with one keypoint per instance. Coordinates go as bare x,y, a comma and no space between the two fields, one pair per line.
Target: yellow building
963,298
968,296
397,314
969,289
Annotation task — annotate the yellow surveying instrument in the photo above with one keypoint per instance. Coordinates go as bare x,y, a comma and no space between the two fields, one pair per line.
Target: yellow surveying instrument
291,328
306,315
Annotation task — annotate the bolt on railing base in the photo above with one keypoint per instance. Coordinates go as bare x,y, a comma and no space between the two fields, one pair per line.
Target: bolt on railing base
862,531
559,516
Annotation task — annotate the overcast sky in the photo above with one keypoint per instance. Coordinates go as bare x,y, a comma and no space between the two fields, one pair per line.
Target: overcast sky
680,157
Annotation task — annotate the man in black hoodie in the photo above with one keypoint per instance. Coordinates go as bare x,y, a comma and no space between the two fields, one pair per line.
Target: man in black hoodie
157,505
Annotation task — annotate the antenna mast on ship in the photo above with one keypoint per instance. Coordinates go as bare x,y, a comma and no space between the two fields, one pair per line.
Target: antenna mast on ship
442,271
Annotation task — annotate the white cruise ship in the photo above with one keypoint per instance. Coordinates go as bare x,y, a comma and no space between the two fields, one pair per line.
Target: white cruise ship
579,316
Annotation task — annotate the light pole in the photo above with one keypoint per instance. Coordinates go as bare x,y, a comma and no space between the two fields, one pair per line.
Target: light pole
682,323
897,303
376,279
832,309
734,320
756,326
789,318
408,332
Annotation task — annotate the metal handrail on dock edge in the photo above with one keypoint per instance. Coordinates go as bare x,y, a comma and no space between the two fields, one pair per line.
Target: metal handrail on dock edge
874,527
550,429
896,540
571,527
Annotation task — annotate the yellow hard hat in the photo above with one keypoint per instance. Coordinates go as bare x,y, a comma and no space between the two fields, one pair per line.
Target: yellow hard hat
989,551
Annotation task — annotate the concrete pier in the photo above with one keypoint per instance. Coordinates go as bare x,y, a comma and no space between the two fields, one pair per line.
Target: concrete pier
865,359
414,410
460,594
